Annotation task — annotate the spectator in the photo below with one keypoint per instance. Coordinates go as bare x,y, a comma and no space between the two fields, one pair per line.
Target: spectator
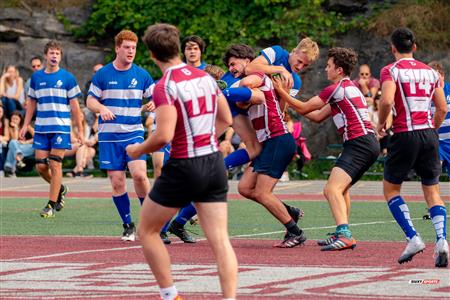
4,138
91,118
11,88
193,47
36,65
367,84
18,149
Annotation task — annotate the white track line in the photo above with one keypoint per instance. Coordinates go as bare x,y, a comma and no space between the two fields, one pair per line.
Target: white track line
179,242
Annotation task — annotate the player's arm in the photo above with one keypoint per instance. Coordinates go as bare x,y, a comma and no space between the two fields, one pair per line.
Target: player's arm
260,64
388,89
96,107
76,114
31,108
441,106
223,118
319,115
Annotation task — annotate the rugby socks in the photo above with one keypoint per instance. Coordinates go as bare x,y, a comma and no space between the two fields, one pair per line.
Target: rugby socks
185,214
438,215
141,200
238,94
343,229
400,211
52,203
122,203
292,228
237,158
168,293
288,208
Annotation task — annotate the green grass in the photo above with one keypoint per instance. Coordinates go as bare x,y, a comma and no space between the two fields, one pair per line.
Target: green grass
98,217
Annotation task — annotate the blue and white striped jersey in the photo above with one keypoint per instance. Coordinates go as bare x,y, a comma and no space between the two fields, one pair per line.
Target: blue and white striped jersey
278,56
121,92
444,130
53,92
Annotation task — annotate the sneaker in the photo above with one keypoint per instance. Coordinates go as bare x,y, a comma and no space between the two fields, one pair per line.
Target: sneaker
129,232
165,238
414,246
62,194
340,243
441,254
291,240
47,212
20,164
328,241
180,232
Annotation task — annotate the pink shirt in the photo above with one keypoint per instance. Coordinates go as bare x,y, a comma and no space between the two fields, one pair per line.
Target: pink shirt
415,82
194,95
348,109
373,82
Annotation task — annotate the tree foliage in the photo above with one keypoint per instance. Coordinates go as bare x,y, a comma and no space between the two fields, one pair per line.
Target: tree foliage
220,23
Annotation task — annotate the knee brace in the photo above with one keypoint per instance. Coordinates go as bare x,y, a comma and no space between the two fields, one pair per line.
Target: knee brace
55,158
43,161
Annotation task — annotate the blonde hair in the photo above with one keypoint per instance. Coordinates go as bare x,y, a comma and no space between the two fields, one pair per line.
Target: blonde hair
125,35
309,47
215,71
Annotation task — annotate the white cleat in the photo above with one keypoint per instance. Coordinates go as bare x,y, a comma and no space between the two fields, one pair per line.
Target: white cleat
129,232
441,254
414,246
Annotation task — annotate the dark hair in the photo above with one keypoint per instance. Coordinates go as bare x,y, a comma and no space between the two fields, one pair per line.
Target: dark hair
238,51
53,44
403,39
163,40
196,39
344,58
17,113
35,57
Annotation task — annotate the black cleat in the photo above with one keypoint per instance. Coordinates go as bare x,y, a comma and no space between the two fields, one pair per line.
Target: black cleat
165,238
291,240
62,194
129,232
180,232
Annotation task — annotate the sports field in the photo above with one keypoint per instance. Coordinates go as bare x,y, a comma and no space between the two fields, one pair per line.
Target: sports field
79,255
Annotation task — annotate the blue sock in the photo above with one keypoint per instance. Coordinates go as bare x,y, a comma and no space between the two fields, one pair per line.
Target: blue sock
185,214
344,230
438,215
166,227
237,158
141,200
238,94
123,207
400,211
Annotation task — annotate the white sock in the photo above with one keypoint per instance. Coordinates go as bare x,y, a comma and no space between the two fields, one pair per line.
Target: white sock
168,293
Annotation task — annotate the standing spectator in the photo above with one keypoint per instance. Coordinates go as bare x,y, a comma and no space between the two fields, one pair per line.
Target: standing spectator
193,48
36,65
194,160
410,86
367,84
54,96
4,138
444,130
11,90
90,117
116,94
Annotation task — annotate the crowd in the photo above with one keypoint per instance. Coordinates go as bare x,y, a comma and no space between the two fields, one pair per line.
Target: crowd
194,104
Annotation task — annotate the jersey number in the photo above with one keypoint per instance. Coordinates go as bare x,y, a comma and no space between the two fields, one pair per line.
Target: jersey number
200,87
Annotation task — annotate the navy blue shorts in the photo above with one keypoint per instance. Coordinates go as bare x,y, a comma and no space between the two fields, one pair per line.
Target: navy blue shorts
358,155
275,156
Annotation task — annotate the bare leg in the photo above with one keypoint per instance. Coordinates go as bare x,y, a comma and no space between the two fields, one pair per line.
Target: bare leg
43,169
335,189
56,174
138,170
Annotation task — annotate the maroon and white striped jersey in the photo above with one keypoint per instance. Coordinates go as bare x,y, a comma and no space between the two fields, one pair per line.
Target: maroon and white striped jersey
267,118
416,83
348,109
194,95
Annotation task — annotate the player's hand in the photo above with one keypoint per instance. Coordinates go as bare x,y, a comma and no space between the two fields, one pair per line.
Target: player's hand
106,114
150,106
286,76
23,131
133,150
280,84
381,131
80,137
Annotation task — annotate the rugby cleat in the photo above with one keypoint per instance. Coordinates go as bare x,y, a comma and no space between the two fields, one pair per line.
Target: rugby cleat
47,211
339,243
415,245
165,238
441,254
296,213
292,240
129,232
62,194
328,241
180,232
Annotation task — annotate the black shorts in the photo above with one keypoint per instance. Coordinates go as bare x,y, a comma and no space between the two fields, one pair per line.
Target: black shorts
199,179
418,150
358,156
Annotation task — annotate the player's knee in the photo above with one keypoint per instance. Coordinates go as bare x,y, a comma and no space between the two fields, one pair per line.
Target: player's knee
245,191
140,177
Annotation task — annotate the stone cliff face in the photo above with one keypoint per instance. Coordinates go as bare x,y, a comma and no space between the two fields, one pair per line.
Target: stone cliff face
24,34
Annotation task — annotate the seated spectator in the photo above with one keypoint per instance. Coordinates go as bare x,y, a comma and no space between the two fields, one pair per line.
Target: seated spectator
15,123
368,85
11,90
18,149
83,152
4,138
